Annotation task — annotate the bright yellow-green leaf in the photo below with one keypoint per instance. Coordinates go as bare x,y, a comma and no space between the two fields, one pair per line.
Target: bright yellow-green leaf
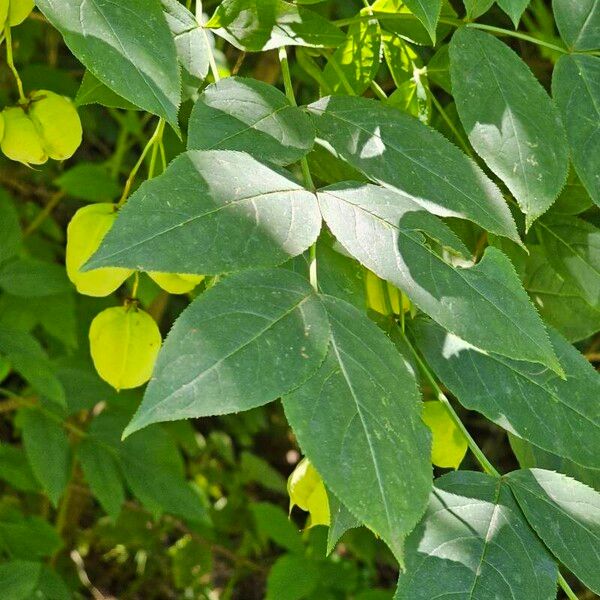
86,230
449,444
124,343
175,283
383,297
307,491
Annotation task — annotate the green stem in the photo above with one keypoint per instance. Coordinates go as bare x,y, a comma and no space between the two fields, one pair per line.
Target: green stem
44,213
156,137
486,465
11,64
518,35
308,181
566,588
377,89
382,16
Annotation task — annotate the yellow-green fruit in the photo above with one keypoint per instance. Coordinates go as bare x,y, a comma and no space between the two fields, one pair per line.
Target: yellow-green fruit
124,343
1,126
18,11
86,230
57,122
21,140
307,491
176,283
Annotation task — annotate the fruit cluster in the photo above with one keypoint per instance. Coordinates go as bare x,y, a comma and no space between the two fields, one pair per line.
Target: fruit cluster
124,340
42,125
45,126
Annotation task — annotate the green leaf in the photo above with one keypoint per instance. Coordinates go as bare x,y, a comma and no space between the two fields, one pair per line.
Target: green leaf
428,12
193,43
151,465
577,22
10,228
339,274
572,246
89,181
403,244
127,46
510,128
357,59
93,91
559,415
250,116
514,9
259,25
27,537
292,577
31,278
529,455
438,69
272,523
399,152
48,450
101,471
566,515
227,212
358,421
29,360
15,469
474,544
560,303
243,343
408,27
254,469
576,89
341,520
18,579
476,8
24,580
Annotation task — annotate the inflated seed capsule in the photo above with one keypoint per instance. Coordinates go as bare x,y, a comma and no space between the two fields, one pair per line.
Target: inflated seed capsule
21,140
85,232
176,283
18,11
56,120
307,491
4,6
124,344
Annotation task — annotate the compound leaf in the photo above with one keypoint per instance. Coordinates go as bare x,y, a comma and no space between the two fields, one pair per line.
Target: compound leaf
398,151
358,421
475,544
396,238
243,343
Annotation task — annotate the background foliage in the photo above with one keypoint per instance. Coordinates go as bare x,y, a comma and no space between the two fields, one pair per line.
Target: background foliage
379,227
